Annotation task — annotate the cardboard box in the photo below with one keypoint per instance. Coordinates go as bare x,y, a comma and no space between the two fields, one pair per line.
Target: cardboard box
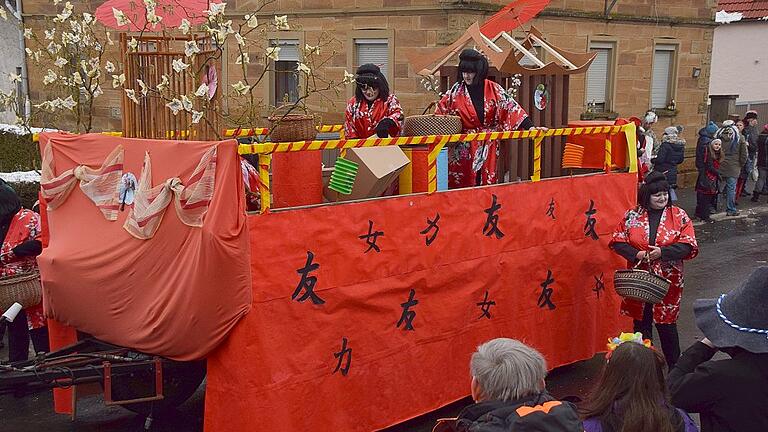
378,167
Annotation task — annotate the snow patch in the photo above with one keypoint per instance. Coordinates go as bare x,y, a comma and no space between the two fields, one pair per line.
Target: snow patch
724,17
21,177
18,130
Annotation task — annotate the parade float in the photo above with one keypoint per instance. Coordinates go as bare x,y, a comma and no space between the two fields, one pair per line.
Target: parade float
313,315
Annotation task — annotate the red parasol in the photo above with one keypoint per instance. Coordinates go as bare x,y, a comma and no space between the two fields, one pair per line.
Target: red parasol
512,16
171,12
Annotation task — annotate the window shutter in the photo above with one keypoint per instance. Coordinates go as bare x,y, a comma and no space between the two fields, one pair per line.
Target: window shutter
374,51
289,49
597,76
662,71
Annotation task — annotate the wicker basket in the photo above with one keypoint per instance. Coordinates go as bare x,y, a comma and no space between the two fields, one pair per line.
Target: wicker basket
431,124
640,285
24,289
292,127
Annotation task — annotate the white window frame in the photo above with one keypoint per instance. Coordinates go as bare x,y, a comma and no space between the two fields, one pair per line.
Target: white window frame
610,75
673,48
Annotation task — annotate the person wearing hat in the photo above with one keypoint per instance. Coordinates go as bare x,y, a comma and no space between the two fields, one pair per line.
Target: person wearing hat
483,106
708,181
671,154
373,110
729,394
750,132
735,156
706,135
657,236
761,186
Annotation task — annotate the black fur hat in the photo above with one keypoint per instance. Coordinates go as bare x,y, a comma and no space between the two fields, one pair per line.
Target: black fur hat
473,61
9,201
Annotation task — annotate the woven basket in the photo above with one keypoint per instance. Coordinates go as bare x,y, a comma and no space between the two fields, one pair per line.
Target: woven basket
24,289
640,285
292,127
431,124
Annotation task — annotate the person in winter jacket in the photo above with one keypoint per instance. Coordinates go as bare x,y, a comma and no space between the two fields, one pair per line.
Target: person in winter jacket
631,394
735,156
508,389
706,135
750,132
730,395
707,183
761,187
671,154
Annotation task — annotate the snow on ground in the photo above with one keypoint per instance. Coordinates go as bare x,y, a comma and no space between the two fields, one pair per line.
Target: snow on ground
18,130
21,177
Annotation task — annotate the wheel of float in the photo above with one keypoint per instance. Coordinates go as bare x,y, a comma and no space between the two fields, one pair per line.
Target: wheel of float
180,380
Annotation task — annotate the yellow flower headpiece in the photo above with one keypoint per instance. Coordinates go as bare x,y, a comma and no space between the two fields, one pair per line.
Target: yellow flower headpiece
627,337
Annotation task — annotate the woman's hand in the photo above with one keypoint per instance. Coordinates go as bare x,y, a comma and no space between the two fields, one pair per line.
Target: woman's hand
708,343
654,253
641,255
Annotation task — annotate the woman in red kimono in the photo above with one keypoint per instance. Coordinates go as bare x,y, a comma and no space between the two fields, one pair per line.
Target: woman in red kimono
373,110
19,232
661,233
483,106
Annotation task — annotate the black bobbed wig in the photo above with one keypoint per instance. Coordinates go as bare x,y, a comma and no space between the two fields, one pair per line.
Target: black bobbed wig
9,201
473,61
654,182
370,75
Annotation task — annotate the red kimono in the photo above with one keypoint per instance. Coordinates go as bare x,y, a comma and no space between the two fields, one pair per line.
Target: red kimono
502,113
360,120
25,225
675,227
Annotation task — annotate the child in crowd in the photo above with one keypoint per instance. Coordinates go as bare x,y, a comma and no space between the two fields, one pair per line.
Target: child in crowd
707,184
631,394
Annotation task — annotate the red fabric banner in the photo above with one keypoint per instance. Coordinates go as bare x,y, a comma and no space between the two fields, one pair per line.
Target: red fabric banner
366,314
177,294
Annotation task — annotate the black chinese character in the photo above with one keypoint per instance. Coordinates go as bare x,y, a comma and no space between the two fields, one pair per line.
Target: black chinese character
599,285
492,221
545,299
307,283
431,224
408,315
371,237
589,227
345,352
485,306
551,209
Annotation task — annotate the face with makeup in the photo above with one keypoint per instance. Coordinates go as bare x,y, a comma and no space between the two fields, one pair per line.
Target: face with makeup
469,77
659,200
370,92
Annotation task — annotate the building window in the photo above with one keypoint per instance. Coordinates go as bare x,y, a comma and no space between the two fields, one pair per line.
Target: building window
286,82
536,50
600,77
662,79
374,51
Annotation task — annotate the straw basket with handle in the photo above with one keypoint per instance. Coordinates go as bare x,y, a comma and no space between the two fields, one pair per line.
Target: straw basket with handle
641,285
431,124
291,127
21,288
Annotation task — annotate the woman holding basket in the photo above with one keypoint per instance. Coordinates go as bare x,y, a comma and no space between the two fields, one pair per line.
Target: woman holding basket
657,236
19,232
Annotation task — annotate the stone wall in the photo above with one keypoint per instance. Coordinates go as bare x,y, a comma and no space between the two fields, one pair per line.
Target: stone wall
416,27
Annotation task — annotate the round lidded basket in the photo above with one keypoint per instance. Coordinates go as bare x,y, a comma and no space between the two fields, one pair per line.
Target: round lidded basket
431,124
22,288
641,285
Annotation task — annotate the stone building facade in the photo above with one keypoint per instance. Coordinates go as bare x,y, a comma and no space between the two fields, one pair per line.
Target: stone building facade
651,51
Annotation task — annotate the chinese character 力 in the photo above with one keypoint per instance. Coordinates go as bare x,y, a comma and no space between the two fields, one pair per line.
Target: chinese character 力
430,225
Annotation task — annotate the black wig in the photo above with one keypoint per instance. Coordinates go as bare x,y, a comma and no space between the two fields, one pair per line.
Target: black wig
9,201
369,74
473,61
654,182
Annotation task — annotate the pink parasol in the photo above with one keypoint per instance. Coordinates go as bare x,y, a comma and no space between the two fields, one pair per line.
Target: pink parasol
512,16
171,11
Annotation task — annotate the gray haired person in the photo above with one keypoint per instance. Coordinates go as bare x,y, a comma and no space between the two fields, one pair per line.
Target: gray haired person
509,392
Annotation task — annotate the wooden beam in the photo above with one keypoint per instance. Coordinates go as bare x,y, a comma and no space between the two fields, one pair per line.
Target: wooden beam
554,52
522,49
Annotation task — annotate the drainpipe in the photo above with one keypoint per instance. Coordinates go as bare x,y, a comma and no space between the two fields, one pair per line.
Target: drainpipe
22,46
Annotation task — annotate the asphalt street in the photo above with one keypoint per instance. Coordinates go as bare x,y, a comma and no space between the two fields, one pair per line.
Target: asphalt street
729,249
